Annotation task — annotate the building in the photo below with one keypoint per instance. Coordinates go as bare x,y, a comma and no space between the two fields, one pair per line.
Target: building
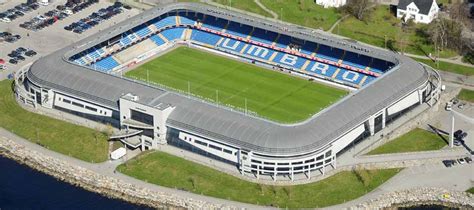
331,3
420,11
84,79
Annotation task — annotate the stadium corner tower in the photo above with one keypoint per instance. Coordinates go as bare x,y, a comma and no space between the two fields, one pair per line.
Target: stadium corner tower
85,79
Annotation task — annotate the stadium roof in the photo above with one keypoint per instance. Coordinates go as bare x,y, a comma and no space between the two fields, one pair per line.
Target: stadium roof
235,128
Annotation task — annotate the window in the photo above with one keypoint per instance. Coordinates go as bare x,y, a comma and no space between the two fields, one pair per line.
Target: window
77,104
215,147
228,151
91,108
200,142
66,101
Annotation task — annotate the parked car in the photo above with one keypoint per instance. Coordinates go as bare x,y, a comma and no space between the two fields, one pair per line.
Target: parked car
13,61
30,53
468,159
461,161
449,106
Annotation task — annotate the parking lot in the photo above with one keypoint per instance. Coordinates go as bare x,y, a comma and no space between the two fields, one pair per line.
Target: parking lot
54,36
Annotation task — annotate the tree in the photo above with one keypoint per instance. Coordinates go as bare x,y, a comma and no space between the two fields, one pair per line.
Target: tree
358,8
443,31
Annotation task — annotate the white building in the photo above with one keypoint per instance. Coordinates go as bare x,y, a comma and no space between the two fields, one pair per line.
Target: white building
331,3
421,11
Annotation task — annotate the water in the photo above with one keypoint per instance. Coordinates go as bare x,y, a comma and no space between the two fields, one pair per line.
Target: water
24,188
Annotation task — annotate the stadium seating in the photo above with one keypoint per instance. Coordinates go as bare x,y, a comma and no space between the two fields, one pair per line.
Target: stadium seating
215,23
94,55
204,37
267,37
106,64
158,41
167,21
283,41
142,31
356,60
236,29
173,33
250,51
329,53
308,48
378,65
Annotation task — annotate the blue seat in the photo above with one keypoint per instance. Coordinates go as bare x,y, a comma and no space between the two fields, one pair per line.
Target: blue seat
237,29
259,35
283,41
167,21
142,31
205,37
215,23
326,52
106,64
349,76
173,33
158,41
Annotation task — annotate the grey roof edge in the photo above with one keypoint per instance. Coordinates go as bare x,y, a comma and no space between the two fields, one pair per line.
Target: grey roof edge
57,63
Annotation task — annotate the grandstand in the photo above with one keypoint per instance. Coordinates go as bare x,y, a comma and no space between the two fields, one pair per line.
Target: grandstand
85,79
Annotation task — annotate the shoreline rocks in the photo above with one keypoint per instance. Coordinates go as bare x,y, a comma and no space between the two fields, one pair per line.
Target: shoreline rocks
420,196
89,180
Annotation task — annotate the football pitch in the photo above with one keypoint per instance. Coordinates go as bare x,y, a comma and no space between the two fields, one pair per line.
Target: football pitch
266,93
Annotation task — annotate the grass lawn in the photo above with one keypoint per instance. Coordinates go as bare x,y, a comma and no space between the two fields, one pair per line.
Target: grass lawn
269,94
466,95
471,190
246,5
382,23
413,141
303,12
174,172
445,66
66,138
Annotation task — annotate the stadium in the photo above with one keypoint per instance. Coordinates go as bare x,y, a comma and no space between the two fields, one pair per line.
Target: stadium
345,91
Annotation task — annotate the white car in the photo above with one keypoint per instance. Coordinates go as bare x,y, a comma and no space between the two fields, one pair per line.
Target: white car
43,3
449,106
3,67
68,11
6,20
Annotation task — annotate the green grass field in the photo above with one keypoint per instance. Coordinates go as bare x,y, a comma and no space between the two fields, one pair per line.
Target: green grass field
270,94
466,95
303,12
413,141
470,190
449,67
66,138
174,172
245,5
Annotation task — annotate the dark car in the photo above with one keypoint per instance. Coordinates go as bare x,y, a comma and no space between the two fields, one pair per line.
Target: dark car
21,49
21,58
5,34
34,6
118,4
11,39
30,53
127,7
447,163
16,36
19,13
13,61
457,133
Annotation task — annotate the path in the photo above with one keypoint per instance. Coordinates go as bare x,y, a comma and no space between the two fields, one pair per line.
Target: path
266,9
337,23
457,61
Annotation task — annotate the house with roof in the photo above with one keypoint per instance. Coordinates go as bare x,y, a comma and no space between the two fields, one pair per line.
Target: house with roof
331,3
420,11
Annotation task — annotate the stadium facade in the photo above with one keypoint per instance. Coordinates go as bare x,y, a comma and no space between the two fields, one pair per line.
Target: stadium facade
85,79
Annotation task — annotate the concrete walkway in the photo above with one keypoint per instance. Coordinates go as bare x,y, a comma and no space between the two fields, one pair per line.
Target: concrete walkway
448,60
337,23
274,15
